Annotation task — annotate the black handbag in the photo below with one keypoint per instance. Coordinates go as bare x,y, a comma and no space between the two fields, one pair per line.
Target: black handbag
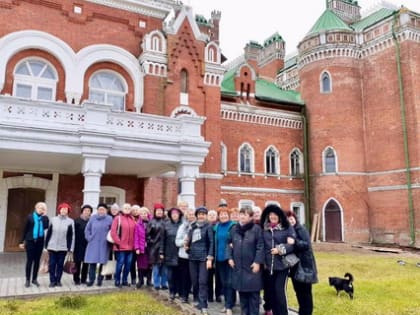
305,275
290,260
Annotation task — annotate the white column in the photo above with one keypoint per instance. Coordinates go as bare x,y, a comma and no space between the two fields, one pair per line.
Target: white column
187,175
93,168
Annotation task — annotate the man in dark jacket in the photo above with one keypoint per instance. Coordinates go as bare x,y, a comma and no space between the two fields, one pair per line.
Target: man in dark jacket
200,247
80,244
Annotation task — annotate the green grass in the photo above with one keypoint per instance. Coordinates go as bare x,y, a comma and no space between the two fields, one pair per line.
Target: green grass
122,303
382,286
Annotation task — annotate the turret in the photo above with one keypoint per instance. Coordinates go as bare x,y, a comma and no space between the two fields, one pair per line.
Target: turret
347,10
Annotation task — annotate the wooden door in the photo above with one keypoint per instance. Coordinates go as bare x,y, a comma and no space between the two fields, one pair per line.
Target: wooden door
20,203
333,222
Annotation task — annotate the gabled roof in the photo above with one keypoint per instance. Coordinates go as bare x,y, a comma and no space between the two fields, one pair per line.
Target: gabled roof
329,21
372,19
264,90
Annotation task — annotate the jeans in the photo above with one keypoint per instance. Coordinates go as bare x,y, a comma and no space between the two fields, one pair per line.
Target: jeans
199,277
225,273
55,265
160,276
250,303
123,265
33,256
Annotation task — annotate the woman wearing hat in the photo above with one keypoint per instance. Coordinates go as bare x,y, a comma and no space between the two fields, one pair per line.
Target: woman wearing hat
200,247
59,242
276,231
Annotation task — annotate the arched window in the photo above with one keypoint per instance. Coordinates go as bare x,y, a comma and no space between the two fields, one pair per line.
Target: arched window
296,163
211,55
156,43
184,81
272,161
35,79
106,87
246,159
326,86
330,163
223,158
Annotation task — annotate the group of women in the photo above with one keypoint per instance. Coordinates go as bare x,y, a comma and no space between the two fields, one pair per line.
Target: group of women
177,247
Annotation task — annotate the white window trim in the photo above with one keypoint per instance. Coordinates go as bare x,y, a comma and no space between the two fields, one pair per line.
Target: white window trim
123,94
341,218
324,165
223,158
321,86
113,192
212,53
301,206
35,82
301,168
276,161
246,202
252,166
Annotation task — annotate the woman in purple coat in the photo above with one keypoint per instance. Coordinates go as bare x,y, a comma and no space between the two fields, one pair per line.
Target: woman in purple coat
97,250
140,246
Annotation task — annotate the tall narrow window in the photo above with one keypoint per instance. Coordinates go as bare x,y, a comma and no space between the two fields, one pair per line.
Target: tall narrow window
326,83
330,165
156,43
106,87
184,81
35,79
223,158
296,167
246,159
271,161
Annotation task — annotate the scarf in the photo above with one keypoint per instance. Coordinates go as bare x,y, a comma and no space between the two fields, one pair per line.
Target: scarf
38,231
243,228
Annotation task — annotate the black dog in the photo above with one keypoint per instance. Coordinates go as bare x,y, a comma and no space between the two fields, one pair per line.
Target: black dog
342,284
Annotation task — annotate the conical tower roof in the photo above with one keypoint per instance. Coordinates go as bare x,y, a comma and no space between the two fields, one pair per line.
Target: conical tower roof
329,21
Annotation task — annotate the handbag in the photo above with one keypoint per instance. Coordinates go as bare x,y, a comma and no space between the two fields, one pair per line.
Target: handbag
109,268
109,236
290,260
43,266
305,275
69,265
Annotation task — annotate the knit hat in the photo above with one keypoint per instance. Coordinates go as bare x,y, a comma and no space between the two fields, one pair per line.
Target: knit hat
86,206
102,205
201,209
276,210
158,205
63,205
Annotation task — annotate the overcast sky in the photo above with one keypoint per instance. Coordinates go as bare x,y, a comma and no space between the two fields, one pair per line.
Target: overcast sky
247,20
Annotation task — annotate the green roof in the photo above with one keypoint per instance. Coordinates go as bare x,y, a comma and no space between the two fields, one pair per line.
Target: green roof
200,19
372,19
254,44
272,39
265,90
268,91
329,21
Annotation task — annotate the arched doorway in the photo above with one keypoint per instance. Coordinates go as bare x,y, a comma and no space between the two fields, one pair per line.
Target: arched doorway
333,222
20,203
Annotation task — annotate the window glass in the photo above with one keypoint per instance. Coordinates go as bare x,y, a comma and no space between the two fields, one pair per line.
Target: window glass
24,91
107,88
45,93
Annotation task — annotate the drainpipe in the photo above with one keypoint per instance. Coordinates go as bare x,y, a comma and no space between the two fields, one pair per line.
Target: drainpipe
405,136
306,193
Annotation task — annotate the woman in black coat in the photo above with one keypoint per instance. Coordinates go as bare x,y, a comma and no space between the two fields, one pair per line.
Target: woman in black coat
169,250
303,249
276,232
246,257
33,241
80,244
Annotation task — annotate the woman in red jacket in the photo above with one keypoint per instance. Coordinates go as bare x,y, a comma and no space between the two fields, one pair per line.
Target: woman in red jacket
122,232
